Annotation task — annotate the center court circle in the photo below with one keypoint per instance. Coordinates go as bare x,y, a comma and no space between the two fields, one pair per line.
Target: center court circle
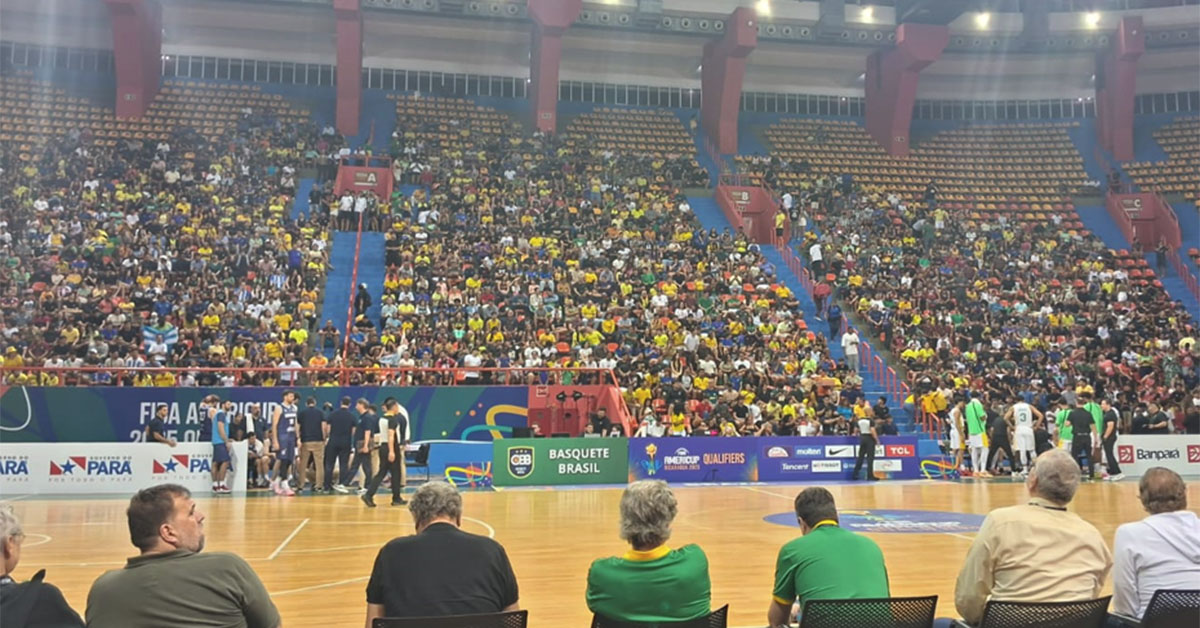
895,521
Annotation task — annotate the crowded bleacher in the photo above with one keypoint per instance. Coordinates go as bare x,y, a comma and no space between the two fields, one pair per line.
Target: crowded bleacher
168,241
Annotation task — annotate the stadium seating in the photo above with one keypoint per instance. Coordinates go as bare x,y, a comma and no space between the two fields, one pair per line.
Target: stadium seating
196,246
1180,174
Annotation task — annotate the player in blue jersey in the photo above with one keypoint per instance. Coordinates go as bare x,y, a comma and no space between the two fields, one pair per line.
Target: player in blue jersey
283,441
220,443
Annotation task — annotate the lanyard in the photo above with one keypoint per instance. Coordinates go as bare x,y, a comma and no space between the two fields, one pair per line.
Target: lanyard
831,522
1048,507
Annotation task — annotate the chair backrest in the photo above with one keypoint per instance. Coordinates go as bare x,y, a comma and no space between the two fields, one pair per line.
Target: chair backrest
1171,608
895,612
514,619
716,619
421,458
1084,614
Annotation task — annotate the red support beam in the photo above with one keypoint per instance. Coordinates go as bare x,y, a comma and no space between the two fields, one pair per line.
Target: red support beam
721,75
349,64
137,53
1116,79
551,19
892,77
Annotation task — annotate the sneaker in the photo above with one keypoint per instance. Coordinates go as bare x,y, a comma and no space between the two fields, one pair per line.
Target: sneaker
341,488
224,490
362,491
287,491
400,502
275,487
1116,478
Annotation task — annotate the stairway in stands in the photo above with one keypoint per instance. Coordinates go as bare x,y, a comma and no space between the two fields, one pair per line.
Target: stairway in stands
339,283
710,216
300,202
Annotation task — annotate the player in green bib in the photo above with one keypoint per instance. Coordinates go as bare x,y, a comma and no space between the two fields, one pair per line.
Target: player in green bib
976,417
651,582
826,563
1065,433
1098,420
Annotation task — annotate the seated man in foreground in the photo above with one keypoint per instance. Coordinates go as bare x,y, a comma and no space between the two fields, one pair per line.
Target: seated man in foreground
826,562
1161,551
1035,552
172,583
651,582
440,570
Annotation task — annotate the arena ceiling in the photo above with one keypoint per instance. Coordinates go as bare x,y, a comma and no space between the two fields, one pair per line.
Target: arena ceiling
470,36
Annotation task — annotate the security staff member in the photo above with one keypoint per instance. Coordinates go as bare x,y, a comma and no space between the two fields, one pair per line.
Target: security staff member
867,439
341,424
391,455
1081,422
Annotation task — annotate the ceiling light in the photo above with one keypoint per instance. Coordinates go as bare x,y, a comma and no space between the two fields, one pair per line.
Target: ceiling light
867,14
982,19
1092,19
763,7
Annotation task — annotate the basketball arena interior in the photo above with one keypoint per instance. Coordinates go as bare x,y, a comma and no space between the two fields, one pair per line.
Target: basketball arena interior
568,313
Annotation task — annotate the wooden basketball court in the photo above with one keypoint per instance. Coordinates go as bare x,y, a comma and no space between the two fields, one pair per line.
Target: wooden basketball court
315,553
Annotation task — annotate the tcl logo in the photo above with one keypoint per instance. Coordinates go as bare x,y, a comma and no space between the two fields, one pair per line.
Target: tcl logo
1193,452
1125,454
899,451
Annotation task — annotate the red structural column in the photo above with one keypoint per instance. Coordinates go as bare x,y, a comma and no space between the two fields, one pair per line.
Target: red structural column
892,82
1116,78
551,19
137,53
722,72
349,64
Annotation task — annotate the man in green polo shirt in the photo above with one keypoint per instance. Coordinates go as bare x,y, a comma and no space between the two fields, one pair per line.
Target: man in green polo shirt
651,582
826,562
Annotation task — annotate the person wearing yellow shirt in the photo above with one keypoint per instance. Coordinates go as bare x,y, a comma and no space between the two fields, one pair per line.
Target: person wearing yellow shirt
284,320
298,335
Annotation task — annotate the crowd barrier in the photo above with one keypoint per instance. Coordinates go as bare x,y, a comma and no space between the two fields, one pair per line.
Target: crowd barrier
108,468
1177,452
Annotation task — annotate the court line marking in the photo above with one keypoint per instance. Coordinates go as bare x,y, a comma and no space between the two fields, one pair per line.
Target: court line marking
17,498
759,490
45,539
961,536
288,540
326,585
490,529
331,549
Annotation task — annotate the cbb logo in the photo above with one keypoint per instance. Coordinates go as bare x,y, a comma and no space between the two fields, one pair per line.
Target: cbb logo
520,461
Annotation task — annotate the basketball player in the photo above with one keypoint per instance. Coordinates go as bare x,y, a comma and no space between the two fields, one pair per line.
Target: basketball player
283,439
1027,419
955,419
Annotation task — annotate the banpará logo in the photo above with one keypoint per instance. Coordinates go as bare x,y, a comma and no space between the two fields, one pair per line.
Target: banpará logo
1158,454
1125,454
1193,453
520,461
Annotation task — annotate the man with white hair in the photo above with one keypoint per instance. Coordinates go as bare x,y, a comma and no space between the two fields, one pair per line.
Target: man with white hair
1161,551
651,582
1035,552
440,570
32,603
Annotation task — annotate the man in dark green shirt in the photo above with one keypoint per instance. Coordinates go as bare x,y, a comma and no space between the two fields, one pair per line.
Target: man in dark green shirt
826,563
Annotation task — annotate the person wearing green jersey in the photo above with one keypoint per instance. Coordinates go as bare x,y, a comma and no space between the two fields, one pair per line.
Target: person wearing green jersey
651,582
1063,426
976,416
1089,404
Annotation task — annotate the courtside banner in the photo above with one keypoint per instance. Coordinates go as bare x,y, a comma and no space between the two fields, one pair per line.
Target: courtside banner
32,414
816,458
705,459
123,468
1177,452
549,461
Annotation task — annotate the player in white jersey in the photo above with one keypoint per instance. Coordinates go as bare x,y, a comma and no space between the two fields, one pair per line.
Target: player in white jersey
1027,419
955,419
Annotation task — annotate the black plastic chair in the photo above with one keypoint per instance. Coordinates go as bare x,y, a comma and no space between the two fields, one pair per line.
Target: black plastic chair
716,619
1084,614
513,619
887,612
419,460
1168,608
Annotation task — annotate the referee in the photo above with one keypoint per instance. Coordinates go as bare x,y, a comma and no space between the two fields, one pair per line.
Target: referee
867,439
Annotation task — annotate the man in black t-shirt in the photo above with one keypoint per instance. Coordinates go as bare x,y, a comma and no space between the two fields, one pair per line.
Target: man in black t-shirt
341,424
364,441
1158,421
156,429
440,570
998,440
1109,439
313,432
1081,422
